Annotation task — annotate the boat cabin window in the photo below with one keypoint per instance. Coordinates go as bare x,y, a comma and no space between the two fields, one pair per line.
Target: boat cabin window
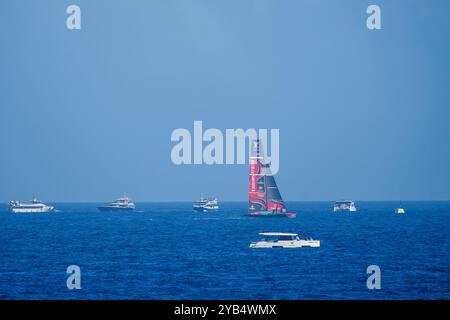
278,238
286,238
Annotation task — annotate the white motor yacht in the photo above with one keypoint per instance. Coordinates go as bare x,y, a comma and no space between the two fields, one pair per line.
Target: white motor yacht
344,205
283,240
33,206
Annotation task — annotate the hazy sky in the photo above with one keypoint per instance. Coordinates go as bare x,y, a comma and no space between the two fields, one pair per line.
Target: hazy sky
86,115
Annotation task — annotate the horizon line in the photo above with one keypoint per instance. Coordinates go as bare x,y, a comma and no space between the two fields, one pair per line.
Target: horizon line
190,201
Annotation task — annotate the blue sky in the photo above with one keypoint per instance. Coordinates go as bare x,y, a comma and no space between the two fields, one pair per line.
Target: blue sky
86,115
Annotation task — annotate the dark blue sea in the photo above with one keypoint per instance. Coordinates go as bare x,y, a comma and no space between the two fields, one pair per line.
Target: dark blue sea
167,251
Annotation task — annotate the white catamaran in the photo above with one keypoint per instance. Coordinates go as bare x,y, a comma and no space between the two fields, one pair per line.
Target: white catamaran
283,240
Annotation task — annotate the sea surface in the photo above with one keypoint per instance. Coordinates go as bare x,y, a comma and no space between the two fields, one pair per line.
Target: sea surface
167,251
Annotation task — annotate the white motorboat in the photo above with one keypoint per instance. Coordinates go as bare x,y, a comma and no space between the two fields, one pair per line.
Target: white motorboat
121,204
206,204
33,206
283,240
344,205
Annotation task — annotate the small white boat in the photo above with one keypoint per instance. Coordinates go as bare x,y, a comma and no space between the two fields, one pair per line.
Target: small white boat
344,205
121,204
206,204
283,240
33,206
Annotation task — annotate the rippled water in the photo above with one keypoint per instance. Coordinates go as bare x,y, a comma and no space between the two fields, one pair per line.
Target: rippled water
166,251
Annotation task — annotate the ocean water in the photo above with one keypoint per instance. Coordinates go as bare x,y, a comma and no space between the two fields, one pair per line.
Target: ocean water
167,251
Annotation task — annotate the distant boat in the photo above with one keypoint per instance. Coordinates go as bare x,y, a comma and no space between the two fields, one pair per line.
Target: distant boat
206,204
283,240
121,204
33,206
264,198
344,205
400,211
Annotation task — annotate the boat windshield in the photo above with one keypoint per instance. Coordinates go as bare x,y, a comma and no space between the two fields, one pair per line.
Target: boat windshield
343,202
279,238
285,238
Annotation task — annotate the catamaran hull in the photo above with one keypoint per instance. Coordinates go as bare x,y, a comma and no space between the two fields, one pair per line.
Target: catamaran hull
285,244
272,215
